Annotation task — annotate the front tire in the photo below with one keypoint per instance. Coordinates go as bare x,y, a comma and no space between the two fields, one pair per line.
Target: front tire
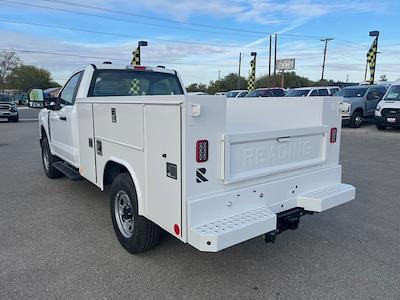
356,119
379,126
48,160
135,233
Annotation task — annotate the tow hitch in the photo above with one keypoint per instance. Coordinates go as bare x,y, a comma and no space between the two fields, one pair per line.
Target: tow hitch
288,219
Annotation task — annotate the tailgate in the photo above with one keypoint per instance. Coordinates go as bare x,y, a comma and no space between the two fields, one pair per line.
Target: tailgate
256,154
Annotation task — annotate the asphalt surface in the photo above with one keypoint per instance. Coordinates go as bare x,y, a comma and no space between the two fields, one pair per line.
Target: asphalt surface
25,114
57,241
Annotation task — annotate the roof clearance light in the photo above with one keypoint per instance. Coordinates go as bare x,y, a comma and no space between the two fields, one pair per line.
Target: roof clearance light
202,151
333,135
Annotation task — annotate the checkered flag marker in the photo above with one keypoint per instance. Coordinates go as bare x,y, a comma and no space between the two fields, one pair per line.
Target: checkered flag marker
135,84
371,59
251,83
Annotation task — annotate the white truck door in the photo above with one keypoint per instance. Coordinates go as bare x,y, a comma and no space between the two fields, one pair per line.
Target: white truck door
61,120
163,166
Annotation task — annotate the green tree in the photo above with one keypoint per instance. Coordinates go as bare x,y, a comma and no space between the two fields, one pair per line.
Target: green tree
26,77
8,62
196,87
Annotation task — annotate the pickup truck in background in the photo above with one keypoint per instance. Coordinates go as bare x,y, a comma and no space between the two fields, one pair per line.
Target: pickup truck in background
211,172
359,102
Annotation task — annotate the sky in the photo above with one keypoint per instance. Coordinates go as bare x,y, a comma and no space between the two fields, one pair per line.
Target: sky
202,39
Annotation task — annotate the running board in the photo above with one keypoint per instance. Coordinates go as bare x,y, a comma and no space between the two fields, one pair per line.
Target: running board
223,233
67,170
328,197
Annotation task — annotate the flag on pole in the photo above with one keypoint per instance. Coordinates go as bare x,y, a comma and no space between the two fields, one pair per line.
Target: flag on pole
136,57
371,59
135,84
251,83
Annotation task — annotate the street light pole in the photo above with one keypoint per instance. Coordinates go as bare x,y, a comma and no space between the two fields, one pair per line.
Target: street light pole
141,44
240,65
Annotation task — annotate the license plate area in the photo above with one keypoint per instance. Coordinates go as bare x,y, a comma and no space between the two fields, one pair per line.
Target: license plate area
257,154
391,120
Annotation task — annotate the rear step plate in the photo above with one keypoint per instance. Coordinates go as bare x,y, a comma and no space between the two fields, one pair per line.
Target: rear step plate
67,170
328,197
220,234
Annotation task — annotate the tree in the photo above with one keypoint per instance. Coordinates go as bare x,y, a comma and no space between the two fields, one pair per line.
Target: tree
8,62
196,87
26,77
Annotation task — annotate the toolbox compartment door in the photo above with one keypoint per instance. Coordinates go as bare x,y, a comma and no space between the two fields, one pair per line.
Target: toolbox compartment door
163,166
257,154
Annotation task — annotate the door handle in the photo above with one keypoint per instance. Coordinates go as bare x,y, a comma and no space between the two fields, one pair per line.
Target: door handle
283,139
63,118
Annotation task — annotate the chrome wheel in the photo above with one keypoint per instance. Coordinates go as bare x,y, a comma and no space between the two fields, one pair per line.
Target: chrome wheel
358,120
124,214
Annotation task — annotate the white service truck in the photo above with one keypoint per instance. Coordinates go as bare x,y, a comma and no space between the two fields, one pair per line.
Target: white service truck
211,172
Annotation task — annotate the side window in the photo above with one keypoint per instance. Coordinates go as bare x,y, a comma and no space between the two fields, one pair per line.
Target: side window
373,94
68,94
314,93
323,92
334,91
279,93
382,92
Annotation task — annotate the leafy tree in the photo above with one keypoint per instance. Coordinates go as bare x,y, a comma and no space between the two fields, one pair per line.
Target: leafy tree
26,77
8,62
196,87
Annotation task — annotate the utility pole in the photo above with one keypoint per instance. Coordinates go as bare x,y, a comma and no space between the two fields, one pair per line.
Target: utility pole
326,40
219,75
270,55
276,47
240,65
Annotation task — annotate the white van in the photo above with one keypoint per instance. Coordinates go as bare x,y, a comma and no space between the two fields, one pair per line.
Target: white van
387,113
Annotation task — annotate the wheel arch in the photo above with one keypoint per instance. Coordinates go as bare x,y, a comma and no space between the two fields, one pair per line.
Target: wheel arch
359,109
114,167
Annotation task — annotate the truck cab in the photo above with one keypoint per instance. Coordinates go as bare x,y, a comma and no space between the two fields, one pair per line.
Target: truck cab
213,173
359,102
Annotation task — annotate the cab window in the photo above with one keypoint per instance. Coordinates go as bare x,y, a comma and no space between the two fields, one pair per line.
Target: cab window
314,93
323,92
68,93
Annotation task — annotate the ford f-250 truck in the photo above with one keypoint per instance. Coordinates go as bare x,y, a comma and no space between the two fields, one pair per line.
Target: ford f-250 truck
213,173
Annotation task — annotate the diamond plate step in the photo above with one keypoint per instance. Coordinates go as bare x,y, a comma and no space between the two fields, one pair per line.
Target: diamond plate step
223,233
327,197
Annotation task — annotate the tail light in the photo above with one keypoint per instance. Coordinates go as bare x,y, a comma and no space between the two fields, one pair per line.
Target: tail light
333,135
202,151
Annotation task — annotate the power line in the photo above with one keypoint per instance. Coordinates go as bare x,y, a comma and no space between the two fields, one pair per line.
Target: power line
125,35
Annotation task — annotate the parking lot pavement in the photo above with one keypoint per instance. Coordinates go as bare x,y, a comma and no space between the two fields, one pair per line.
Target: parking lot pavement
26,113
57,239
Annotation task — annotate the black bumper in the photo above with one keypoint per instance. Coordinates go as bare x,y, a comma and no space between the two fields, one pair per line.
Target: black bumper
383,121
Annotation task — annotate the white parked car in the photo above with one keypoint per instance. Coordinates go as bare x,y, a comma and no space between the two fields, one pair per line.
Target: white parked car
313,91
237,94
387,112
211,172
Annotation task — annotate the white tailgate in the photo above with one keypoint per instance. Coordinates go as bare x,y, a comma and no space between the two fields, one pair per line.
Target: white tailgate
256,154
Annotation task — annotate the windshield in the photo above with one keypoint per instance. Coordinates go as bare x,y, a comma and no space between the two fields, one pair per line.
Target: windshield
393,94
231,94
133,83
297,93
352,92
5,98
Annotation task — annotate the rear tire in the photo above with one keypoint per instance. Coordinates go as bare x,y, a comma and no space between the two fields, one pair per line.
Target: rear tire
48,160
135,233
356,119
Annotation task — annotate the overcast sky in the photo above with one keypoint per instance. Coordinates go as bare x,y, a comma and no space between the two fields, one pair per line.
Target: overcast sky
200,38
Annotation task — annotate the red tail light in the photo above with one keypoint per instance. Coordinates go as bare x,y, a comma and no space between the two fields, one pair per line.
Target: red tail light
333,135
202,151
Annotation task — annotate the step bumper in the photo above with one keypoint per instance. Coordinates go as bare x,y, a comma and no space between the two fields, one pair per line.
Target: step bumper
230,231
223,233
328,197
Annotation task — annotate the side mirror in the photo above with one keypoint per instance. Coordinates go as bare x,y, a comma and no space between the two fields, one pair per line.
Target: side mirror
36,98
50,103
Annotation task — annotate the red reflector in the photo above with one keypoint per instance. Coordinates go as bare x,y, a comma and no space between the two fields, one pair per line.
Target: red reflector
333,135
177,230
202,151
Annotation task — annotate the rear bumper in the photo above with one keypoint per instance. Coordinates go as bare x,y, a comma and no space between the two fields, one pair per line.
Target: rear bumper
253,212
